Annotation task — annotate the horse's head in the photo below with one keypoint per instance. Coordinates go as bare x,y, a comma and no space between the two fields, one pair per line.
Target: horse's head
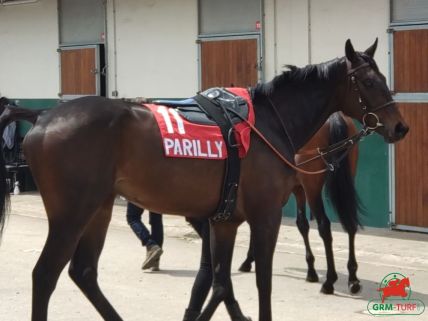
368,98
4,102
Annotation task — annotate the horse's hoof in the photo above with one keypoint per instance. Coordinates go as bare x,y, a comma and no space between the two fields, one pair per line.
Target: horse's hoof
235,312
312,277
354,287
327,289
245,267
191,315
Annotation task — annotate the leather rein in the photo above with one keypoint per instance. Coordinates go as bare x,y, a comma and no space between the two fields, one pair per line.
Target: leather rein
344,145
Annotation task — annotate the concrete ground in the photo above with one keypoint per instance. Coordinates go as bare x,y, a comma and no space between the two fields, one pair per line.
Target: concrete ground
162,296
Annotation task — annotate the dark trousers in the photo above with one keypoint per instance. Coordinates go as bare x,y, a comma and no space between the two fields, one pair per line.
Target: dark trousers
133,217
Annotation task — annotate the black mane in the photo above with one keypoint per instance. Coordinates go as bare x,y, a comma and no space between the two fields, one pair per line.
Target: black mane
294,75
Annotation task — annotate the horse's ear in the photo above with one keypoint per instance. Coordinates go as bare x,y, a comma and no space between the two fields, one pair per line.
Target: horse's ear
350,52
371,50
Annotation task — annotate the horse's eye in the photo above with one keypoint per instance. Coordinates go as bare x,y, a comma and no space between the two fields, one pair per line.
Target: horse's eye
368,83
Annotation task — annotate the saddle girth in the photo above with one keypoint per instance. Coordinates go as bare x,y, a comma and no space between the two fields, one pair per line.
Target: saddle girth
217,111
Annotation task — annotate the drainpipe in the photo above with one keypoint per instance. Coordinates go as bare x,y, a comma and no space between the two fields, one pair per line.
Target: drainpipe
309,33
115,93
275,38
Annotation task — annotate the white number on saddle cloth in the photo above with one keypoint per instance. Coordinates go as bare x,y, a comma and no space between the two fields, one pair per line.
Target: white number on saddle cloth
182,143
169,127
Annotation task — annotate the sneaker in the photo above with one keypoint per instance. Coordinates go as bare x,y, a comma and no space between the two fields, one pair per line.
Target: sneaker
155,267
153,253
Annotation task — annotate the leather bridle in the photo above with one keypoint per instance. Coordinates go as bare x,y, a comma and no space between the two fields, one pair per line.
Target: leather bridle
347,144
344,145
367,113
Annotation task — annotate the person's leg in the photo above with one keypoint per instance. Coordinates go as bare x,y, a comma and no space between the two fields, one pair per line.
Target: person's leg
133,217
156,224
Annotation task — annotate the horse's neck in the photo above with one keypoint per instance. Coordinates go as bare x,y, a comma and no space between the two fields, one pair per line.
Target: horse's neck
305,107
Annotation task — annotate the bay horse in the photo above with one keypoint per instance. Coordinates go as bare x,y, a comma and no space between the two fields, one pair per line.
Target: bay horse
341,190
86,151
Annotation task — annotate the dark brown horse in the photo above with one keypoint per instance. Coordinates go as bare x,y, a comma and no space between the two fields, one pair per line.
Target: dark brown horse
340,187
86,151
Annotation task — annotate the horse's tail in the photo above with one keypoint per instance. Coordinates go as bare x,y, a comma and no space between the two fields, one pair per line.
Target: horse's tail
8,114
340,186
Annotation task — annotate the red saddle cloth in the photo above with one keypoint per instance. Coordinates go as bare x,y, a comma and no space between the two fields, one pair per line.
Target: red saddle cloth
184,139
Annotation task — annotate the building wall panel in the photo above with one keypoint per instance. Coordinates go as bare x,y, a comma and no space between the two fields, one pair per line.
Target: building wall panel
156,50
28,57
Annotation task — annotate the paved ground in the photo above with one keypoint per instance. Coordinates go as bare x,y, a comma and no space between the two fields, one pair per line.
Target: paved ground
162,296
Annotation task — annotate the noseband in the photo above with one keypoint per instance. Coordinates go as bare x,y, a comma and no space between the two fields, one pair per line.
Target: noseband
367,113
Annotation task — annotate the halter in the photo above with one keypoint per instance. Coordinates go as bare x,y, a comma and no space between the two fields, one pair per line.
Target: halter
367,113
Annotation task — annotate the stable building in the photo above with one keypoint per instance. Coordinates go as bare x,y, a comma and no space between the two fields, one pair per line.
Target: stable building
56,50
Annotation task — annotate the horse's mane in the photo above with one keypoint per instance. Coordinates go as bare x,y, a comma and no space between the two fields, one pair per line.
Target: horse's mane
316,72
293,75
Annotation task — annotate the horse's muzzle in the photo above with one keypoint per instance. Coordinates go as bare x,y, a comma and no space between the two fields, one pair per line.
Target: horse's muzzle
400,131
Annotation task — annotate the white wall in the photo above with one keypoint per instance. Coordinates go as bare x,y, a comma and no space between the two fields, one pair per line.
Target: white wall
291,35
362,21
28,57
332,23
156,50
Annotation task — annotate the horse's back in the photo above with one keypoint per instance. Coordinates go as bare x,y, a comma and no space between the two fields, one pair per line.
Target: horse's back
104,146
72,127
72,149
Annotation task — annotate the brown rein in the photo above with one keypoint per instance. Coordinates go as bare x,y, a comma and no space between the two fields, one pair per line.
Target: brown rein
346,144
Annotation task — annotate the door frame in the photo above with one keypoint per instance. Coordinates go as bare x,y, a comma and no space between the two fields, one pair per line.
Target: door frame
400,98
97,67
231,37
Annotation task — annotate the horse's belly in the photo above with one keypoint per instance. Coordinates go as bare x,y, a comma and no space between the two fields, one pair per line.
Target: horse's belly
174,191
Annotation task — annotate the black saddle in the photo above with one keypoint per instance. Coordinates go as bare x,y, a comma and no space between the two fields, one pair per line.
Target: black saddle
192,111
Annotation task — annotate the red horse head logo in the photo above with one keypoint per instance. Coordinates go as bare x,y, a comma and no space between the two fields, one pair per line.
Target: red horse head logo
395,287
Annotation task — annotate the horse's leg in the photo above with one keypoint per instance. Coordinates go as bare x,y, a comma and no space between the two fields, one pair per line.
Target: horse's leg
303,226
324,229
202,284
60,244
265,233
84,264
353,281
246,265
222,236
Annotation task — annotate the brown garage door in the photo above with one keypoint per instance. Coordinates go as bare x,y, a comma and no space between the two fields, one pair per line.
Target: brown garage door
411,163
79,71
229,63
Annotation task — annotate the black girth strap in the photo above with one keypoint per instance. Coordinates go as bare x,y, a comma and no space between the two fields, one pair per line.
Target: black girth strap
228,196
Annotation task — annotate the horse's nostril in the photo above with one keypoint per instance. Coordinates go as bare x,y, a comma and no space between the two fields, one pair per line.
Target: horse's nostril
401,129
